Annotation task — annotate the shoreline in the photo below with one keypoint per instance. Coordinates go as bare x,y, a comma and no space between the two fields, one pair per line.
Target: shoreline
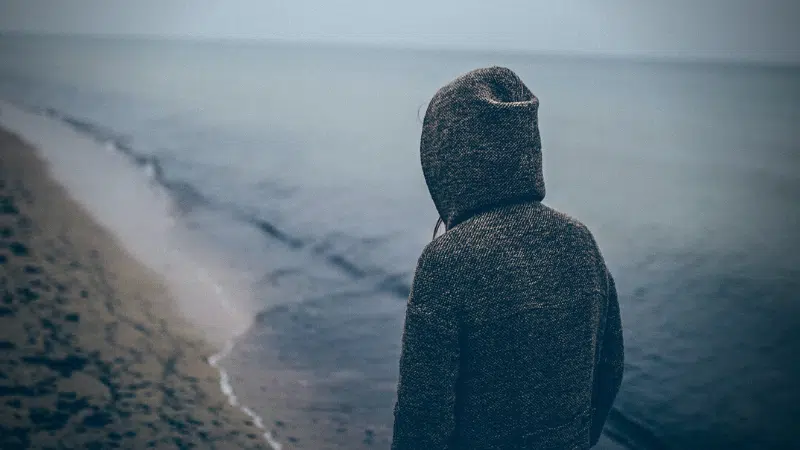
95,355
285,419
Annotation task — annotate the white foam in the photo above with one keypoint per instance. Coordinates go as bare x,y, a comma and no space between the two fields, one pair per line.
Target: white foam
124,200
227,389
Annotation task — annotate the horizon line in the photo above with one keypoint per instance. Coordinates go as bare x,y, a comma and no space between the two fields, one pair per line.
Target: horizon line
396,46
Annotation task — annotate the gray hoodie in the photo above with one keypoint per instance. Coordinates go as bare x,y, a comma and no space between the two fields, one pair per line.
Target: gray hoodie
512,335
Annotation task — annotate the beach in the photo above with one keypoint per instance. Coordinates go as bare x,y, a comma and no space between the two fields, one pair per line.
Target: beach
93,355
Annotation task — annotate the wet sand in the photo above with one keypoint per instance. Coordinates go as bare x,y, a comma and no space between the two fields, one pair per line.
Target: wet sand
92,355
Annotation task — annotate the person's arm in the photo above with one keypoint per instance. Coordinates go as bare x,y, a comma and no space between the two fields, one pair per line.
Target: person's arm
424,413
609,370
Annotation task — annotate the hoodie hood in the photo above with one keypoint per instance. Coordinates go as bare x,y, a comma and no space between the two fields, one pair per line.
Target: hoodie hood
480,145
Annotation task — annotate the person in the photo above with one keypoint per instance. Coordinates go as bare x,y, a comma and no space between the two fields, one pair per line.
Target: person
512,336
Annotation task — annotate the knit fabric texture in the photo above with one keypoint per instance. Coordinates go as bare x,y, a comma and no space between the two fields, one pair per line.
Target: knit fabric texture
512,337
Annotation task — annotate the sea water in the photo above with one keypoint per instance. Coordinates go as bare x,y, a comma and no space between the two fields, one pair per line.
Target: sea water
297,167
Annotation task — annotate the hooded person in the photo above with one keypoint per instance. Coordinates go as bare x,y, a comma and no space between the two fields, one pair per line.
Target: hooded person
512,336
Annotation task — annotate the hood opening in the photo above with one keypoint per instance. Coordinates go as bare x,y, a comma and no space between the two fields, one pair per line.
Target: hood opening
480,146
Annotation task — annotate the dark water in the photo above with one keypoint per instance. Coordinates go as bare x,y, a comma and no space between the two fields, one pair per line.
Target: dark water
301,166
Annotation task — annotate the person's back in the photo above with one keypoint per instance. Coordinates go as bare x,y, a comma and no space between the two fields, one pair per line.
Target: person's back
513,336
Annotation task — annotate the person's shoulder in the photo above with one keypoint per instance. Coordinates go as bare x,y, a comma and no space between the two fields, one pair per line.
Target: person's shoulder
579,234
568,223
449,252
437,268
437,250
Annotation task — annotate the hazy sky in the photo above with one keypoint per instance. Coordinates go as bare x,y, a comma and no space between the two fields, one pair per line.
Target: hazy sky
764,30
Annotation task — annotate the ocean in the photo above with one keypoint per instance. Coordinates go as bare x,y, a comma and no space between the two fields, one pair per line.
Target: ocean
296,169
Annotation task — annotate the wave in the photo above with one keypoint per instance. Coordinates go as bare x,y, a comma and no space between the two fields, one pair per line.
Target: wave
186,197
272,231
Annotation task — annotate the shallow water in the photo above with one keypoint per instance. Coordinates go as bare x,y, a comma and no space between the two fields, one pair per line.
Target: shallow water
300,167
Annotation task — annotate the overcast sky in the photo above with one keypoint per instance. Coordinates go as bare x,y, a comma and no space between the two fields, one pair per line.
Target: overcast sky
762,30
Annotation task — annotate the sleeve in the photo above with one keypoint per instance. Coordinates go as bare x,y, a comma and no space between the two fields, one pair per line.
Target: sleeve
609,369
424,413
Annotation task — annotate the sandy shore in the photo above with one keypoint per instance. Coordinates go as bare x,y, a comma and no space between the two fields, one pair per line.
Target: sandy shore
91,354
